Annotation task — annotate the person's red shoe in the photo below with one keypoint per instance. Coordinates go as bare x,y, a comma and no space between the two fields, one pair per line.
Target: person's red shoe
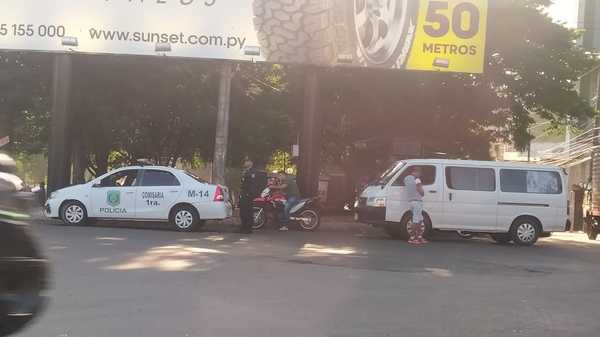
423,241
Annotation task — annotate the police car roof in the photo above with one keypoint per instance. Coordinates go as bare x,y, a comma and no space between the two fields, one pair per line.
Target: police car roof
153,167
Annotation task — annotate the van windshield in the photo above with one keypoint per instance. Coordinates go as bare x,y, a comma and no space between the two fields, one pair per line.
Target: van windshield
389,173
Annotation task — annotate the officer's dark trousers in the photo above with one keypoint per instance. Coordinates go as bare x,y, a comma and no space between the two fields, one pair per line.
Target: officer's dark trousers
246,213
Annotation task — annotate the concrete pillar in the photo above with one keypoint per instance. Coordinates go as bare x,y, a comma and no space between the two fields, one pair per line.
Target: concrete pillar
310,138
59,151
222,134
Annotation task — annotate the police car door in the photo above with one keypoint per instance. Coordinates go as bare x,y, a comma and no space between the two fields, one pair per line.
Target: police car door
157,193
114,195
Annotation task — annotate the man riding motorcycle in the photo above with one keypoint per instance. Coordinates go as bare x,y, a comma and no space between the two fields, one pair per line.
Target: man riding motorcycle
288,187
271,206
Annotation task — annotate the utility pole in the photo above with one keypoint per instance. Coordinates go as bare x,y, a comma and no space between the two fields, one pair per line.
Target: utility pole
568,138
222,134
59,163
595,168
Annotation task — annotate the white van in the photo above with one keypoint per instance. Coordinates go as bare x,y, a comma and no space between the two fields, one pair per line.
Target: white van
511,201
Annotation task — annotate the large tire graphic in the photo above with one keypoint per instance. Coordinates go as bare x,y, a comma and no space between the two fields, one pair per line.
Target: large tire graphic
296,31
384,31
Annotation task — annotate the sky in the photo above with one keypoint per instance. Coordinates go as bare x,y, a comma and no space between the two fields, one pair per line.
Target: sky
565,11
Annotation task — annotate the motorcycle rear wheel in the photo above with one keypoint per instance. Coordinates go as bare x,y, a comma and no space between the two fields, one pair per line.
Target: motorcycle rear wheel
310,220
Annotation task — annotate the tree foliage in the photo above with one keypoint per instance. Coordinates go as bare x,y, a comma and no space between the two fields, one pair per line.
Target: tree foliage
125,108
25,101
534,66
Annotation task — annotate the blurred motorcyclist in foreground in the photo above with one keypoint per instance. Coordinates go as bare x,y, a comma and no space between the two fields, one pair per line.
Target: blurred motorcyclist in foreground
23,270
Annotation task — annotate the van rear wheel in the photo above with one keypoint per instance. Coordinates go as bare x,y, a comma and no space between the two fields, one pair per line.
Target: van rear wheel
525,232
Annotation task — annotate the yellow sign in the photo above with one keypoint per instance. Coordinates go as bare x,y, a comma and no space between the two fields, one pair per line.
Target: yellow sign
450,36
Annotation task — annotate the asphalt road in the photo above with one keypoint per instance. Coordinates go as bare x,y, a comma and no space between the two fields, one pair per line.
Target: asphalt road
155,283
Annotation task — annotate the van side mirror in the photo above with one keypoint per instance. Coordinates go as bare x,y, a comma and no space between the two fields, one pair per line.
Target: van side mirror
96,185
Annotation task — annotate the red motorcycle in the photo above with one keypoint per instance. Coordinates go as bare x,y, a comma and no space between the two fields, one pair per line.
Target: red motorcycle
270,205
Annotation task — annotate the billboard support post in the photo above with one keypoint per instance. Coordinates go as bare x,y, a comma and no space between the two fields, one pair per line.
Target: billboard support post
310,137
222,134
59,162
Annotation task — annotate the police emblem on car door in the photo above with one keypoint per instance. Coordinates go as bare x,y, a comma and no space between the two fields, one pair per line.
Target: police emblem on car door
113,198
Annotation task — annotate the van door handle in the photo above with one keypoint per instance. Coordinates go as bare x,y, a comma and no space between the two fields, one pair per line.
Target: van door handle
450,196
433,192
128,192
173,191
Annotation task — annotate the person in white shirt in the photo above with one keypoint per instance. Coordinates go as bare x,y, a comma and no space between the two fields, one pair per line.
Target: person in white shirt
415,194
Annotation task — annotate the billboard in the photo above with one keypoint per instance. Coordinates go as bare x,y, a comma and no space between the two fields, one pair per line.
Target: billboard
441,35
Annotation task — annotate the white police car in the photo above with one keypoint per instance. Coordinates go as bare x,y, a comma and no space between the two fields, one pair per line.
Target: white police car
142,193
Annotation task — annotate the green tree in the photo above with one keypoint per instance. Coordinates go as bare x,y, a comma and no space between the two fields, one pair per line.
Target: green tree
534,66
126,108
281,161
260,113
24,101
165,110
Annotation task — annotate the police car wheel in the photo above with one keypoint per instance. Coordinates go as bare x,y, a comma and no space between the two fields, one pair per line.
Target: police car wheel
73,213
184,219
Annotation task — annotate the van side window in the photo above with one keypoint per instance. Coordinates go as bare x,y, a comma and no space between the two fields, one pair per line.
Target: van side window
428,177
530,181
471,179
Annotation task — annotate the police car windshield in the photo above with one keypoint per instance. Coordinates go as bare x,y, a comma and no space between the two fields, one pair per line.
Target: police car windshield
389,173
198,179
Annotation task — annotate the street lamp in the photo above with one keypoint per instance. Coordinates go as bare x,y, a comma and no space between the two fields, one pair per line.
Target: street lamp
252,51
70,41
441,62
163,47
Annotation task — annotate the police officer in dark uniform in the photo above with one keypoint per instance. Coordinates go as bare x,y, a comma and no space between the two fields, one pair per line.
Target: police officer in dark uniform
253,182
